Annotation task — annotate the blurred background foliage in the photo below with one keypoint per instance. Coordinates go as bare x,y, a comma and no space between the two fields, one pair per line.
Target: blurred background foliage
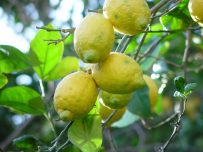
22,17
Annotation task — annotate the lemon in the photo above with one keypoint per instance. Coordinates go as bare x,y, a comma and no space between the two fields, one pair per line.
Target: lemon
93,38
105,113
118,74
115,101
75,95
153,91
127,16
196,11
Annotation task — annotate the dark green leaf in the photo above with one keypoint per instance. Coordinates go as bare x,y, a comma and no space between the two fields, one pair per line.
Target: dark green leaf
3,80
26,142
86,133
66,66
22,99
140,103
47,54
179,83
12,59
190,87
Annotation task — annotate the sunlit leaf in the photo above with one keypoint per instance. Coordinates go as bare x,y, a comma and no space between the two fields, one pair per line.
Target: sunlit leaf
190,87
66,66
49,55
140,103
3,80
86,133
22,99
12,59
127,119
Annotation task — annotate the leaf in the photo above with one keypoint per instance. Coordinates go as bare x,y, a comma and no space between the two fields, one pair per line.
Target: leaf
47,54
12,59
178,94
179,83
190,87
179,18
27,142
86,133
66,66
140,103
22,99
127,119
3,80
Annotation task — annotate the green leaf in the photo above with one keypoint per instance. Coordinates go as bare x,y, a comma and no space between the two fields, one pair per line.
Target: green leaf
178,94
66,66
3,80
179,18
22,99
12,59
27,142
47,54
86,133
140,103
179,83
127,119
190,87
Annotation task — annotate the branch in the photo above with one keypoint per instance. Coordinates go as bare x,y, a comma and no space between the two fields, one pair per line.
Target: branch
155,9
109,118
112,145
15,133
186,52
152,47
56,140
58,41
176,128
123,44
56,30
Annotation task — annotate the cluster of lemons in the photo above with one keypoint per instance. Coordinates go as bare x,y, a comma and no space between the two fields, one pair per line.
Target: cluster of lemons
114,76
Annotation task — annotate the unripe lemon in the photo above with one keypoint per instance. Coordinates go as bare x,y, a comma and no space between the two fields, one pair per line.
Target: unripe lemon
105,113
196,11
118,74
94,38
153,91
75,95
115,101
127,16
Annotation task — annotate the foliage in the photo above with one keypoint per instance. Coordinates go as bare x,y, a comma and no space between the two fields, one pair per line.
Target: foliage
171,47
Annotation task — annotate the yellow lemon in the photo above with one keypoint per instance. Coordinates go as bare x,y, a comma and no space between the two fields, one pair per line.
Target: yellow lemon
93,38
105,113
115,101
118,74
75,95
127,16
196,11
153,91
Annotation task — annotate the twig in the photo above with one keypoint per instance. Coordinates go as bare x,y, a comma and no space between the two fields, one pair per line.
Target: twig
159,5
152,47
186,52
58,41
176,128
109,118
56,140
15,133
165,60
149,126
56,30
63,146
121,44
112,145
